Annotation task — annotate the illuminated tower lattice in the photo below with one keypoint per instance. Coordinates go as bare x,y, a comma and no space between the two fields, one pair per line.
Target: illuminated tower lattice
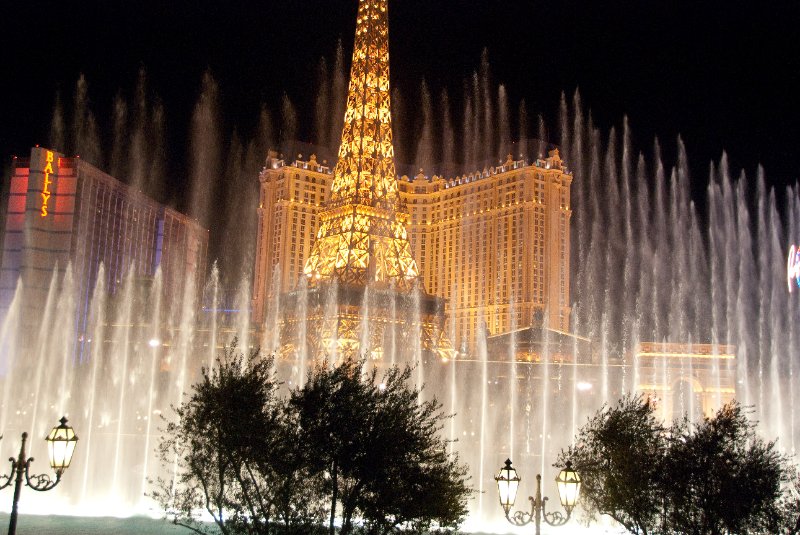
362,236
361,294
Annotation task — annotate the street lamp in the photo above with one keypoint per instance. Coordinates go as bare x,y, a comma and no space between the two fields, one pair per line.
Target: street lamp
60,447
569,487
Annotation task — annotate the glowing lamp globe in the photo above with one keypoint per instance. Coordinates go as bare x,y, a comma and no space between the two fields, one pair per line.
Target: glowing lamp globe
61,445
569,487
507,485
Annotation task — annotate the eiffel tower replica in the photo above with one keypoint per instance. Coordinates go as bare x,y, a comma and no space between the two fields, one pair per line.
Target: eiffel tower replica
362,296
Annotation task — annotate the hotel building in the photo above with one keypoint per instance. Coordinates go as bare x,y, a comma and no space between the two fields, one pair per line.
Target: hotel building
494,243
492,246
64,212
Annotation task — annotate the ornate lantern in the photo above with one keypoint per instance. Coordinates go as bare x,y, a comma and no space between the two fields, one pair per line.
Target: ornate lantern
61,445
569,487
507,485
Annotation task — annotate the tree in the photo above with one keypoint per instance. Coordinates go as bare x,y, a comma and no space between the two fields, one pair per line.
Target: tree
711,478
618,455
720,477
231,454
381,450
411,479
792,503
259,463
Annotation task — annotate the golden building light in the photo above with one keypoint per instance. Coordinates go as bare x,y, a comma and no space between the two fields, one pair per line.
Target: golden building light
674,376
362,236
360,263
492,244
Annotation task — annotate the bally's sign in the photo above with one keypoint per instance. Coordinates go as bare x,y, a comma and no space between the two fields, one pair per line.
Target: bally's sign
48,172
793,268
45,164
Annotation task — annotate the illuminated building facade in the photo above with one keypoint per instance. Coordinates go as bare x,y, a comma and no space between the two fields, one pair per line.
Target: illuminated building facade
494,244
292,195
694,379
65,212
360,289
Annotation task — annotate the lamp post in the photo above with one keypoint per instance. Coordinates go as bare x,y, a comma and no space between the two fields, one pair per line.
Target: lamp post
60,447
569,487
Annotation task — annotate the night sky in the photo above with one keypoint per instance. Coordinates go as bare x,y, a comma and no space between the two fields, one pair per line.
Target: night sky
724,75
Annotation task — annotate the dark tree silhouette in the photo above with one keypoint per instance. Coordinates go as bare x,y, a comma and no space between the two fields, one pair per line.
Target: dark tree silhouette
618,454
381,448
720,477
344,446
232,455
714,477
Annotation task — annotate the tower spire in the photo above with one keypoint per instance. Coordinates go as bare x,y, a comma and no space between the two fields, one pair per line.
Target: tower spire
362,235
